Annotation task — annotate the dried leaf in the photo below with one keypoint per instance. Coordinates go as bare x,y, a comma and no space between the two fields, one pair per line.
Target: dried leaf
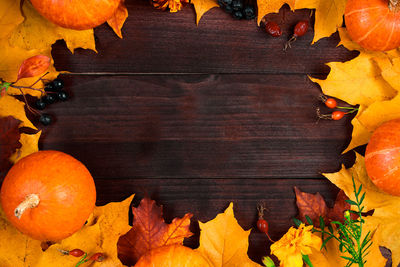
17,249
328,13
9,140
313,206
33,66
29,145
118,19
340,206
149,231
202,6
100,234
36,32
224,242
10,17
386,207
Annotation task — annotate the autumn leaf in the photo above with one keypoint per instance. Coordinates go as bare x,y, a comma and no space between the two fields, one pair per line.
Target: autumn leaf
33,66
386,207
17,249
36,32
118,19
99,234
337,212
202,6
224,242
328,13
313,206
9,140
11,17
149,231
29,145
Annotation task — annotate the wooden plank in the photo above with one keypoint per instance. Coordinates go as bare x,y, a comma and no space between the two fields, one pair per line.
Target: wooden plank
161,42
199,126
205,198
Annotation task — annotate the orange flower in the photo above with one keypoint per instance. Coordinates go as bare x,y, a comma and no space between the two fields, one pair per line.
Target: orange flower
174,5
293,244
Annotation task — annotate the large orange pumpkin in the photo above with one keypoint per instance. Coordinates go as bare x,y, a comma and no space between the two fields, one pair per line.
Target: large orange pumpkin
382,157
374,24
48,195
172,255
76,14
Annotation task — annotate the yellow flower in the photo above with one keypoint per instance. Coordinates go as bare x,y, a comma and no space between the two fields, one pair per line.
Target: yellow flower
293,244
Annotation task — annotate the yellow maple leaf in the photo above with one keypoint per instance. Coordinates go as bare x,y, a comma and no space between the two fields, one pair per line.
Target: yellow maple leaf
11,17
118,19
386,207
99,234
202,6
16,249
36,32
10,106
328,13
29,145
223,242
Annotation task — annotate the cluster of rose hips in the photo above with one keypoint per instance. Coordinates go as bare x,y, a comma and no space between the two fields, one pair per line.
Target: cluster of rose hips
332,104
273,29
99,257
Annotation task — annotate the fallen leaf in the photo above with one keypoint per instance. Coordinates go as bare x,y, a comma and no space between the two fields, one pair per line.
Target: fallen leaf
10,106
149,231
33,66
29,145
224,242
328,13
17,249
202,6
337,212
118,19
99,234
10,17
312,205
9,140
36,32
386,207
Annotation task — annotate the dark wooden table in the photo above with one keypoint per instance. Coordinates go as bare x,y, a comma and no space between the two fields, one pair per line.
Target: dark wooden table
198,116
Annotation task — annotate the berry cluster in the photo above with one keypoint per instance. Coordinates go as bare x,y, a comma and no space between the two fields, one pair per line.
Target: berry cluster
53,92
238,9
332,104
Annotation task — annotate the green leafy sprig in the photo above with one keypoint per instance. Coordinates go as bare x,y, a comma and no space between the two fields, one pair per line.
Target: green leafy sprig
349,232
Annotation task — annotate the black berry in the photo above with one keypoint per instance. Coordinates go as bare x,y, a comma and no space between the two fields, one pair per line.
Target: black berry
249,12
40,104
58,84
221,3
49,87
237,5
238,14
228,9
227,2
49,99
45,119
62,95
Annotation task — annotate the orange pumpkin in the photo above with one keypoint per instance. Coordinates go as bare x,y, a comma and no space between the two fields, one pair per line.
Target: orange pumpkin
48,195
374,24
76,14
172,255
382,157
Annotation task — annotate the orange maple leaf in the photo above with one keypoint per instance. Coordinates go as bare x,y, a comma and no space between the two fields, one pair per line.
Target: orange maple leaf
118,19
150,231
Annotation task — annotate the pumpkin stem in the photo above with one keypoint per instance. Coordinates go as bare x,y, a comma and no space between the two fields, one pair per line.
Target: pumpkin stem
394,5
31,201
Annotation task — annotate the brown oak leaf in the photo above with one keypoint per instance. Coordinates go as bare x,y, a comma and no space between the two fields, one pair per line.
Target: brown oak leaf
9,140
150,231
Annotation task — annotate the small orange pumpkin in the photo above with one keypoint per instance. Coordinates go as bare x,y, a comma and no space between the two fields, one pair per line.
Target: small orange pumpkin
382,157
172,255
48,195
374,24
76,14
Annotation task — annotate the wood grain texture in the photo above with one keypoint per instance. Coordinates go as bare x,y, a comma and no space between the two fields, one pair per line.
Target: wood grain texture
198,126
163,42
